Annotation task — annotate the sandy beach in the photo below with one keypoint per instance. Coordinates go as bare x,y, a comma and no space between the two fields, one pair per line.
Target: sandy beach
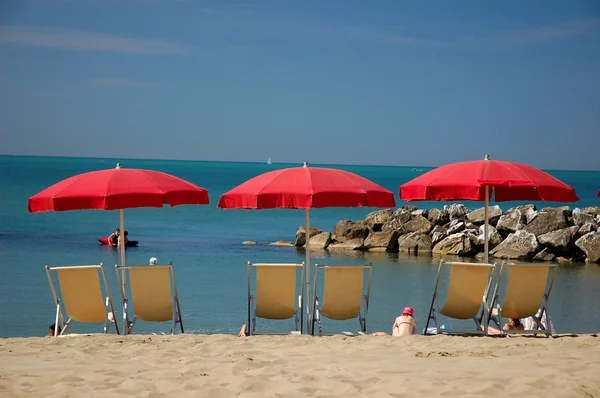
294,366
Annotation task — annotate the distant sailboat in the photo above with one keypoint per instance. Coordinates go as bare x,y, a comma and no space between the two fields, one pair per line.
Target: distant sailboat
269,161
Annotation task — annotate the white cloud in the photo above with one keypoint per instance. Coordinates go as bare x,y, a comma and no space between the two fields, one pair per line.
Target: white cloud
81,40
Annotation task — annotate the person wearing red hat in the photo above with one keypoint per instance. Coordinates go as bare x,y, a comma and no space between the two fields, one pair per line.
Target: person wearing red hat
404,325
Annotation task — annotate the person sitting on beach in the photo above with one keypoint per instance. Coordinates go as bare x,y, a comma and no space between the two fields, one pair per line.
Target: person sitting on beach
52,328
114,237
404,325
513,324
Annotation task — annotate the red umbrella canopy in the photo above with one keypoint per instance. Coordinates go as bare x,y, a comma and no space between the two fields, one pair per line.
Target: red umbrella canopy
598,194
307,187
467,181
118,188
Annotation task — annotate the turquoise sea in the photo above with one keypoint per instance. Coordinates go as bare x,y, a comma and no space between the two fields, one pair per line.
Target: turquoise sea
204,243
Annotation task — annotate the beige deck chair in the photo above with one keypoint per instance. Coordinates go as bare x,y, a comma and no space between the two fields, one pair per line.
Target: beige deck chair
154,294
467,296
342,295
527,293
81,294
275,294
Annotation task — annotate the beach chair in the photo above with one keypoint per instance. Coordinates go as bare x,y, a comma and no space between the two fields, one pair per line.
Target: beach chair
154,295
275,294
342,295
467,296
528,288
82,296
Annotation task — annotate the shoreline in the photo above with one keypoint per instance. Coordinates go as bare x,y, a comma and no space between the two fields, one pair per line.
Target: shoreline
225,365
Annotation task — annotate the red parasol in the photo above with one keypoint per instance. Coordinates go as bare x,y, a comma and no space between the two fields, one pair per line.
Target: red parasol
117,189
477,180
598,194
305,188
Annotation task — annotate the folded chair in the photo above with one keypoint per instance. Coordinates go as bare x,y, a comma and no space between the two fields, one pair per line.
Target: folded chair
527,291
467,297
342,295
275,294
154,295
82,297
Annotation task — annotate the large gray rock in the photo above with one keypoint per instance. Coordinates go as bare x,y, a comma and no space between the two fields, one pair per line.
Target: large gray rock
340,227
523,208
376,219
565,209
437,237
420,212
580,218
385,240
560,241
301,235
587,228
321,241
544,255
438,217
438,228
417,224
461,244
415,242
351,230
478,216
590,245
547,221
455,226
510,221
406,208
347,244
530,215
494,237
398,219
520,245
456,211
594,210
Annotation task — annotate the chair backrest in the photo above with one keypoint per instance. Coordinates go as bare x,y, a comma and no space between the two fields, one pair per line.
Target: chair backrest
467,288
81,292
275,289
151,292
525,289
342,290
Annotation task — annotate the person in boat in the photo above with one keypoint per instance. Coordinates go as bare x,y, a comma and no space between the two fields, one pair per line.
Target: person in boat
404,325
125,236
114,237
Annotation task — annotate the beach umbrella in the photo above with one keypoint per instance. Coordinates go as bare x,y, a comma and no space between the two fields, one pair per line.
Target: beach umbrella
117,189
305,188
478,180
598,194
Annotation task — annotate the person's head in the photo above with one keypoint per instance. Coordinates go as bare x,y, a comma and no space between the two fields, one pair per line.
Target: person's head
117,231
125,233
516,322
153,261
408,311
52,329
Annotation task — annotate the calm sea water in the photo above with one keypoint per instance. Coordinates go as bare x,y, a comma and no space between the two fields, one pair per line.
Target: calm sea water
204,243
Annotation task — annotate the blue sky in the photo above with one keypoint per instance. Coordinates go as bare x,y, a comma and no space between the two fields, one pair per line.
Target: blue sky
353,82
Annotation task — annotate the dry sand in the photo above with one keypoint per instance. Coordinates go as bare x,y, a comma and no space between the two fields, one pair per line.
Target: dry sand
299,366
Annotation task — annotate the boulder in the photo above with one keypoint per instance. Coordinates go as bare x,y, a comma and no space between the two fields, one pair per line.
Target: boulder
510,221
284,243
251,242
520,245
438,217
544,255
340,227
593,211
560,241
399,218
406,208
438,228
387,240
590,245
460,244
456,211
320,241
564,209
580,218
417,224
437,237
301,235
347,244
376,219
420,212
547,221
494,237
478,216
586,229
415,242
530,215
455,227
523,208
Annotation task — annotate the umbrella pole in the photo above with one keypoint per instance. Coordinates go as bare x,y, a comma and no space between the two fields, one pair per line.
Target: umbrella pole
307,265
485,226
122,249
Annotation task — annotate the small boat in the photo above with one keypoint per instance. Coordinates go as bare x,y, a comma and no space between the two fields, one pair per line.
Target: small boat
269,161
130,243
